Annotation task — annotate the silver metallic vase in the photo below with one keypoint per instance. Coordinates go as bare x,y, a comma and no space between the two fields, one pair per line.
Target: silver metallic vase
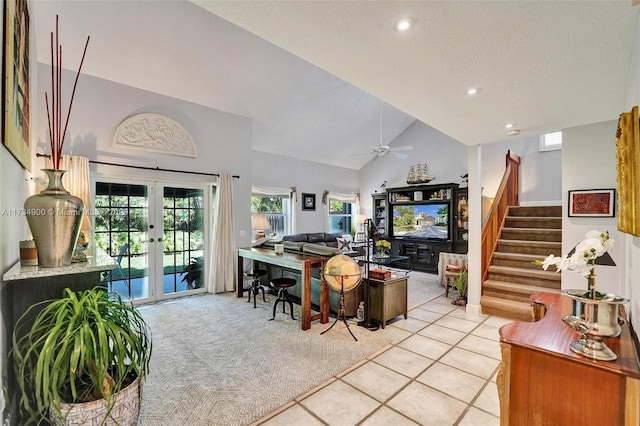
54,217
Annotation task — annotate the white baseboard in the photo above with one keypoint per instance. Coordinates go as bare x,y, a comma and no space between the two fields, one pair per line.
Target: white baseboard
473,309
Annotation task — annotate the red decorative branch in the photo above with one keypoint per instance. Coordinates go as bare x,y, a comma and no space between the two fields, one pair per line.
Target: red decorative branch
54,113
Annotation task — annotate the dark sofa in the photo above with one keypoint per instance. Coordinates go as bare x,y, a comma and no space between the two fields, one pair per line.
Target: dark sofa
318,244
320,238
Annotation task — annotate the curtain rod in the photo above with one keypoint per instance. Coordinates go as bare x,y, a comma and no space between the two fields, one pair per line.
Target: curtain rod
157,169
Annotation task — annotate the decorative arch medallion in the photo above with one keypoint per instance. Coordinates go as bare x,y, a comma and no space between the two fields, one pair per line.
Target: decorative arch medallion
154,133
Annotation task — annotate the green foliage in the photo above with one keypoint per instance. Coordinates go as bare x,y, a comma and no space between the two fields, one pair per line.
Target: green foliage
85,346
193,273
266,204
336,206
461,283
404,221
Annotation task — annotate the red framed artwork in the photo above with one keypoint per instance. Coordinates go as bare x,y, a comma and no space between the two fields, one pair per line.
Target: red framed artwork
592,203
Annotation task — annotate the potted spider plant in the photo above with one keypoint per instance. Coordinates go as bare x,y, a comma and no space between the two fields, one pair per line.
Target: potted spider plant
86,352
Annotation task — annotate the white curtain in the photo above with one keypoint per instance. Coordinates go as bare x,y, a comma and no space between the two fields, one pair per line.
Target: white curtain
222,265
78,183
282,192
353,198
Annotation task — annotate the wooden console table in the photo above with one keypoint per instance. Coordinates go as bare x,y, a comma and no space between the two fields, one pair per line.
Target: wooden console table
296,261
542,382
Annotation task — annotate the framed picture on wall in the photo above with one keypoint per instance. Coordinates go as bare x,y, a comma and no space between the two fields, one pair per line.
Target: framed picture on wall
592,203
308,201
628,168
17,77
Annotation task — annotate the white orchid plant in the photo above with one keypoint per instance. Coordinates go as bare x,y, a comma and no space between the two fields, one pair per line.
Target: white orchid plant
583,259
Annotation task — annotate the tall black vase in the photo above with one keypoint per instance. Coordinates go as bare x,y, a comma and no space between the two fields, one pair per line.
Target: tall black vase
54,217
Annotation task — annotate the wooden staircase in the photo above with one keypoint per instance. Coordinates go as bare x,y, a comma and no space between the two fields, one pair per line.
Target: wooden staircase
528,234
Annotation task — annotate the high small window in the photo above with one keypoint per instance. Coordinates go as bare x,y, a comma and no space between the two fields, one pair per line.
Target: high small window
276,208
339,216
551,141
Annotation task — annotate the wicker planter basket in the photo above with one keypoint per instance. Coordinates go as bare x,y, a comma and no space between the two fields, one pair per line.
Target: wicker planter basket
124,412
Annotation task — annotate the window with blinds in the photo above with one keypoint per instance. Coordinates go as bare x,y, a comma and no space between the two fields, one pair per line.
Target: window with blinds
551,141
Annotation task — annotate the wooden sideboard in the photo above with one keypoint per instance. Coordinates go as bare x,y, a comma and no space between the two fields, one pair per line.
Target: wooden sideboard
542,382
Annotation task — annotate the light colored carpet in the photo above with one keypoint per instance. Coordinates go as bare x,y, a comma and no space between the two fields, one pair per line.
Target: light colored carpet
218,361
422,288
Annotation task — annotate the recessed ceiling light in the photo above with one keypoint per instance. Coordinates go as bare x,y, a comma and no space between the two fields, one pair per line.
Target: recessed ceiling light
509,125
514,132
404,24
472,91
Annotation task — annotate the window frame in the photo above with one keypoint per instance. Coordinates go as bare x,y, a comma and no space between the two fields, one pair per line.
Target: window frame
548,141
349,215
285,214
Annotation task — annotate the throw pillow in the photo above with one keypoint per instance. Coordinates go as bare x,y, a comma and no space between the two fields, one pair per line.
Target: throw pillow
344,244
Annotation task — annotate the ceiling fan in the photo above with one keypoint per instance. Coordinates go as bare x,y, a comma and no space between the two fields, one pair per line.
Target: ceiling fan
382,150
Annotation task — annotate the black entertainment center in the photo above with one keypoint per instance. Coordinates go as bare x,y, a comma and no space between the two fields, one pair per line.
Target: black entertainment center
421,221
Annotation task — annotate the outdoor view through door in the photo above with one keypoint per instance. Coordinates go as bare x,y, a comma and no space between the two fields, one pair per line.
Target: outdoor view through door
153,263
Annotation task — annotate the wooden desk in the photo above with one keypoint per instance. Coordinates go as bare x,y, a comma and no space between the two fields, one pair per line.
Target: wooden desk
296,261
542,382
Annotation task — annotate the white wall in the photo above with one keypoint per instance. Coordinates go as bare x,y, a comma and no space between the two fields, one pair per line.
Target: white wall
589,162
445,156
540,172
308,177
223,140
14,190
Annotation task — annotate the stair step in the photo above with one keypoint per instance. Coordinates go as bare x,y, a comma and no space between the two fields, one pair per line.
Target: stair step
533,222
512,291
540,248
518,260
540,277
531,234
510,309
540,211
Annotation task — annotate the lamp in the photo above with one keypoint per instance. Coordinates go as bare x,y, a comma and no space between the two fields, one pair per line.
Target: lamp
259,223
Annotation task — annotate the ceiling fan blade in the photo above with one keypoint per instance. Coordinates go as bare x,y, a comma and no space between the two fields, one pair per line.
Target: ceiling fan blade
399,155
401,148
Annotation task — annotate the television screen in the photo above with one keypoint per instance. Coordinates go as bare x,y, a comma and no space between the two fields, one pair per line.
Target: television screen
429,221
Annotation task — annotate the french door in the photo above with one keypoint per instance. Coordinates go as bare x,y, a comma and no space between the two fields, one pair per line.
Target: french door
157,232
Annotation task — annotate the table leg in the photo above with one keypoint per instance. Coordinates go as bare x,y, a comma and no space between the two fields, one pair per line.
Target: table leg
240,286
324,302
305,316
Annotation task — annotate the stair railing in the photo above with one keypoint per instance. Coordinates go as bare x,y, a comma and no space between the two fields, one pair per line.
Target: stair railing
506,196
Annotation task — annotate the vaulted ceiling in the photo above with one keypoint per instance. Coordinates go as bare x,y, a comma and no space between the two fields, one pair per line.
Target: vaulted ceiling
311,73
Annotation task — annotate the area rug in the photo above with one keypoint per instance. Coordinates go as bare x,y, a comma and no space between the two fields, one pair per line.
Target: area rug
218,361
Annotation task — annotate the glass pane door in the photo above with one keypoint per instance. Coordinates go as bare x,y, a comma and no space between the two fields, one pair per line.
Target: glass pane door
121,229
156,234
183,240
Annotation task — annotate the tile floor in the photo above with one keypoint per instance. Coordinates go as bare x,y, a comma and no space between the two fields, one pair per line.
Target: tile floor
440,370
